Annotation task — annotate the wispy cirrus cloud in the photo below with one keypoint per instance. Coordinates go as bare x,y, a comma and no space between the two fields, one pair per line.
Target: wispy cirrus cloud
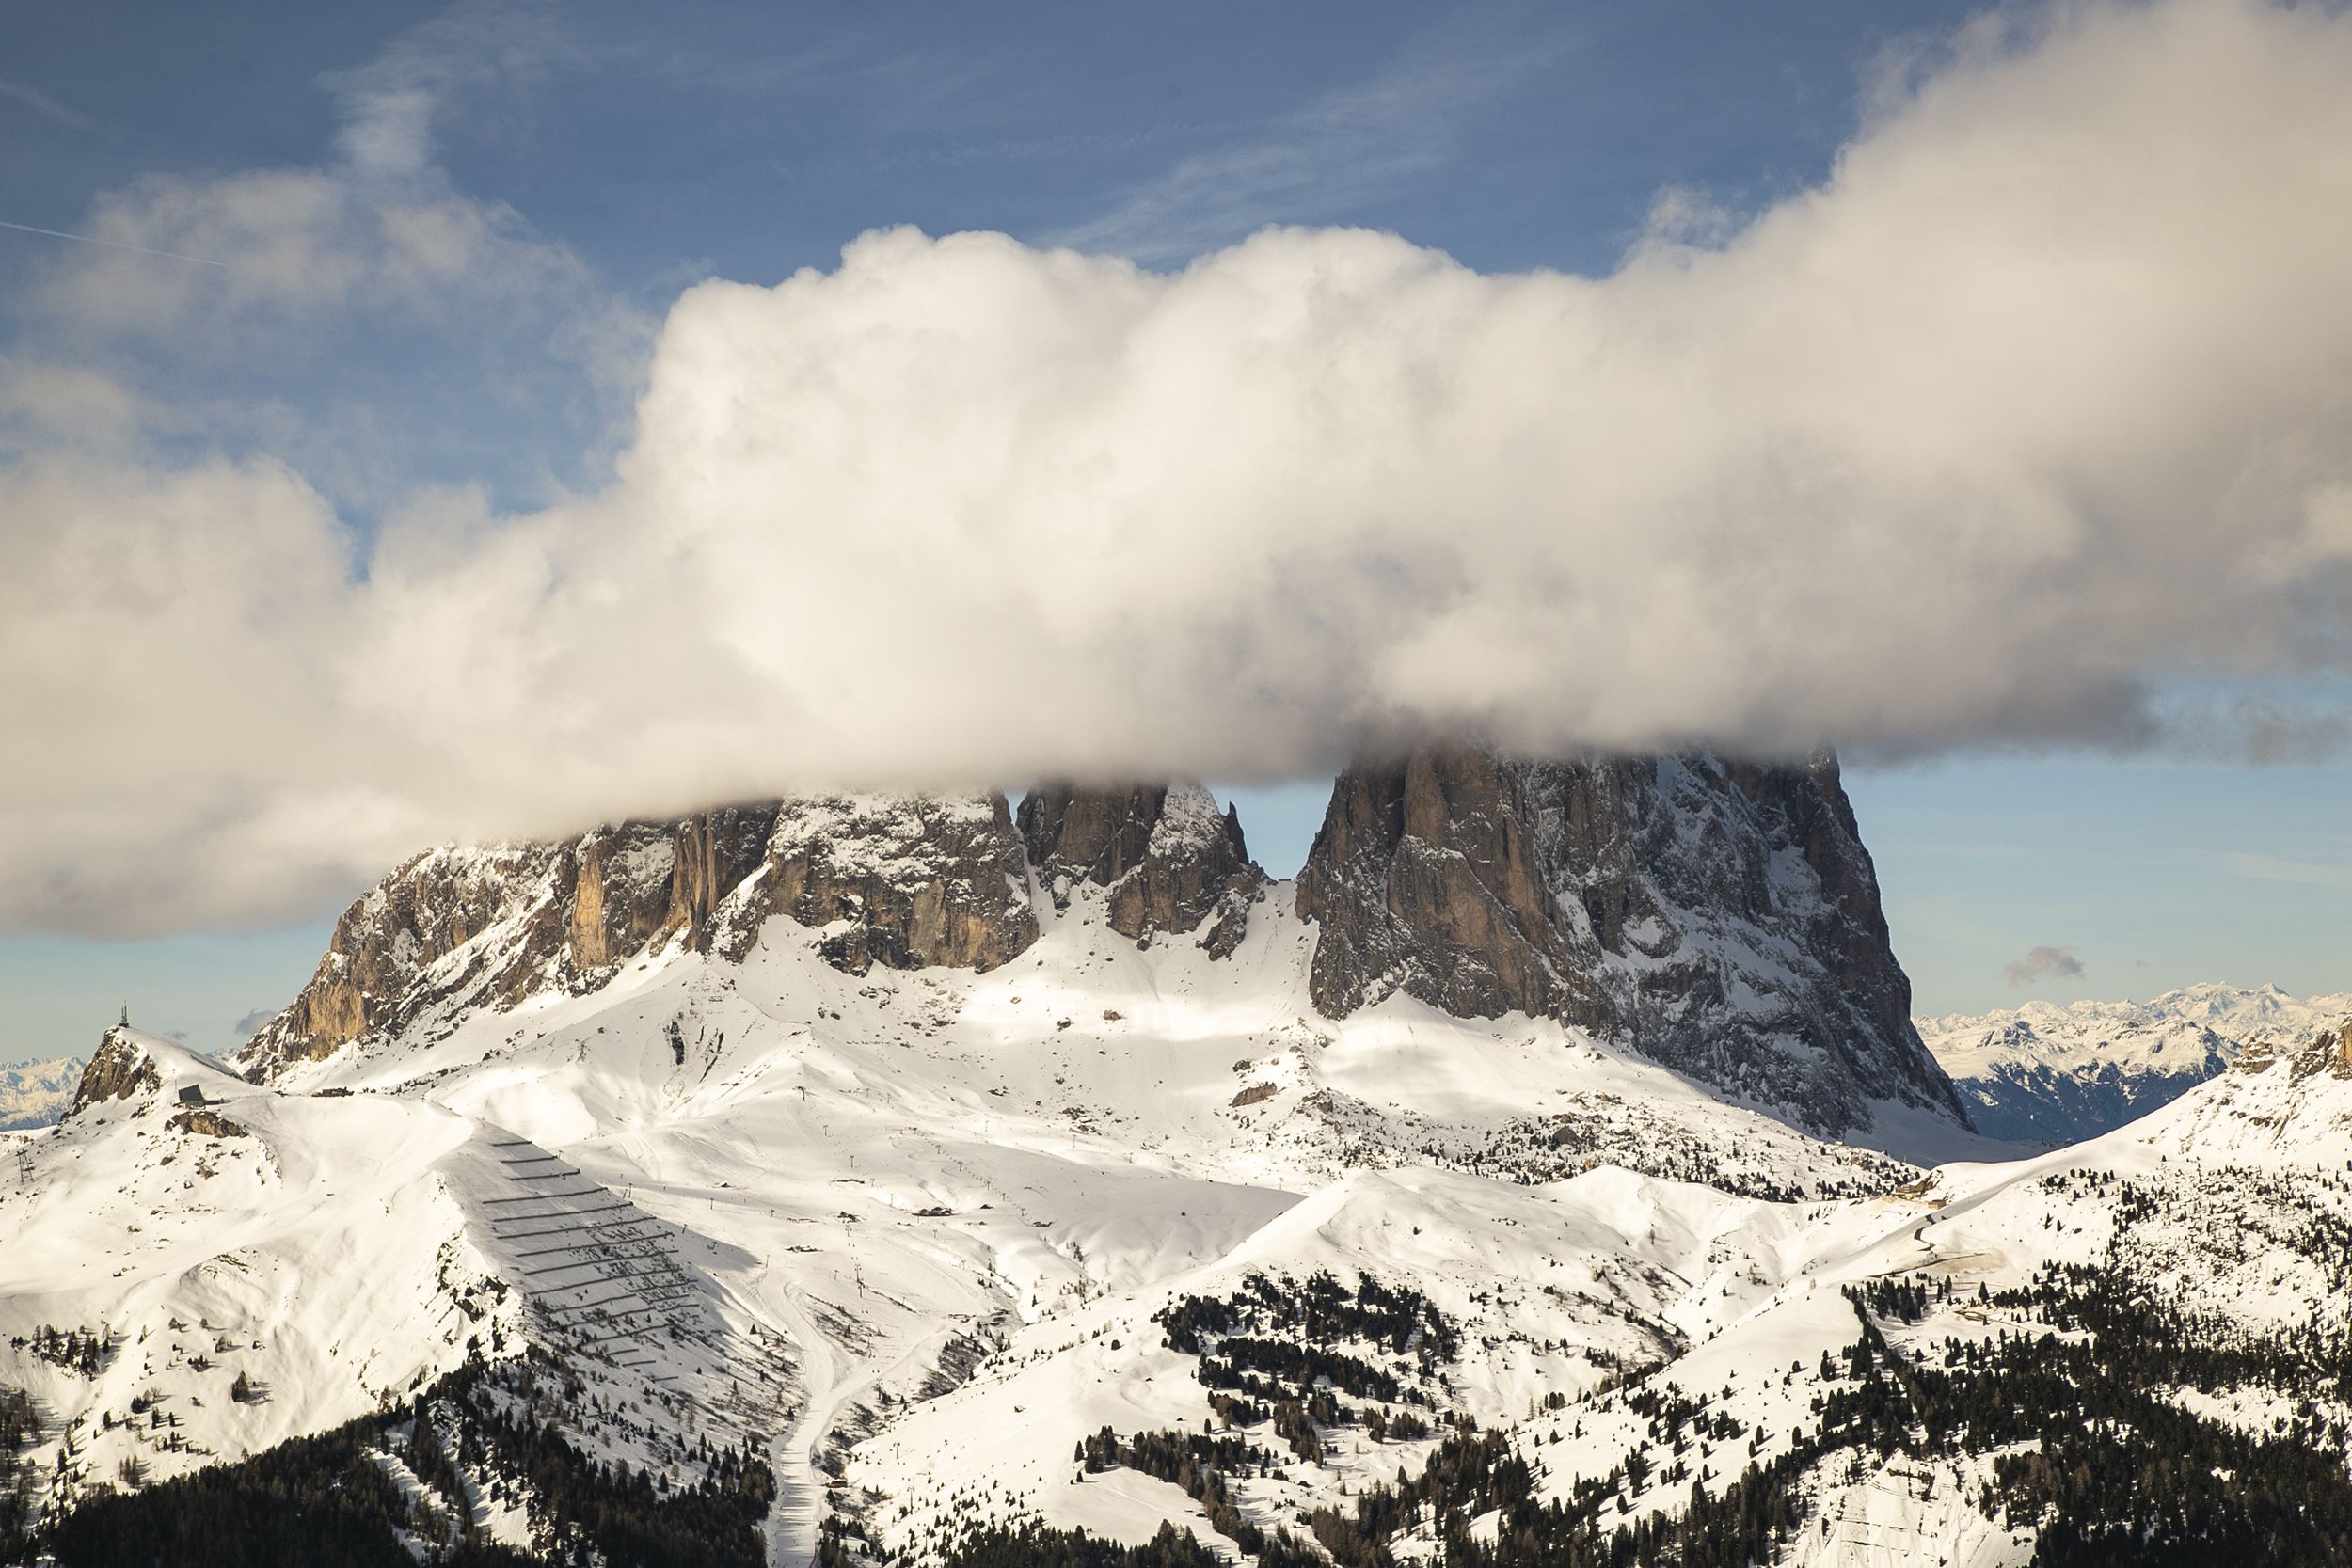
2276,868
51,108
1319,162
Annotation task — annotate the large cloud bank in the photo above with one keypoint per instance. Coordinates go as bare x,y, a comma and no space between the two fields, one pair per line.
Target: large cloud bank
2041,401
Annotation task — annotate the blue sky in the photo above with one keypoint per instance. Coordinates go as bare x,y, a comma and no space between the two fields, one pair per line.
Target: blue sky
616,155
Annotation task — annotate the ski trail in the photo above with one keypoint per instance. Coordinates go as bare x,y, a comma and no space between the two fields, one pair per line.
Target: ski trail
799,1506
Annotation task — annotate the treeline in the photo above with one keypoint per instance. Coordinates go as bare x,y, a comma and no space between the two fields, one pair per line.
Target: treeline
2110,1470
1034,1545
74,1349
1531,1153
1322,1311
711,1524
21,1424
1301,1367
1198,1464
325,1500
306,1503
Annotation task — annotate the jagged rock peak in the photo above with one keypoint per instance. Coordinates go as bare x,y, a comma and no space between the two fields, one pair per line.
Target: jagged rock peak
898,880
1722,917
1170,858
120,1068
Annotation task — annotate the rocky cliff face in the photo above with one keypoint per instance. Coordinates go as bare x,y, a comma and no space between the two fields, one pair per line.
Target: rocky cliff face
118,1069
891,880
903,882
1170,860
1721,917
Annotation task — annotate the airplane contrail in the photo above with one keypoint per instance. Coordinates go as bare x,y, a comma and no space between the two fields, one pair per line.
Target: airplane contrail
117,244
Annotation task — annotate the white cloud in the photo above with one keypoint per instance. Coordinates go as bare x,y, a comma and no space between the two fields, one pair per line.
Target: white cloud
2007,424
362,317
378,230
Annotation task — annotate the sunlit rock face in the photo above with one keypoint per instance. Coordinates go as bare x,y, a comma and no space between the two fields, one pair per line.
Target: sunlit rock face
120,1068
898,880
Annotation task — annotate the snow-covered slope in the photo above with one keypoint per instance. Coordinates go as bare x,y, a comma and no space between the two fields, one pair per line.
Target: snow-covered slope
872,1178
2226,1212
2053,1074
35,1094
1119,1231
193,1267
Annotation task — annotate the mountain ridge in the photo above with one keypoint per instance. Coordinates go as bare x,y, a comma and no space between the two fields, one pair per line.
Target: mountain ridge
2055,1073
1789,996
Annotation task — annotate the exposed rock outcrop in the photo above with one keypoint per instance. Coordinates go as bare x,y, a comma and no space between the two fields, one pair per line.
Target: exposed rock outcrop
1721,917
120,1068
208,1124
1170,860
895,880
2325,1050
904,882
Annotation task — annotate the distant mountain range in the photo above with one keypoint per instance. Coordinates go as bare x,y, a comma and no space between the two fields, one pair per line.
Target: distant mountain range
2051,1075
34,1093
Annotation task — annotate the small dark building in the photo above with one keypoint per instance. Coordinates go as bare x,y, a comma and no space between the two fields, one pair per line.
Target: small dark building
192,1095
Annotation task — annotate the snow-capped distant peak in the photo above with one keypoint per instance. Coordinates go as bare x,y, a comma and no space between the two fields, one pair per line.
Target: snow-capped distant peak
34,1093
2056,1072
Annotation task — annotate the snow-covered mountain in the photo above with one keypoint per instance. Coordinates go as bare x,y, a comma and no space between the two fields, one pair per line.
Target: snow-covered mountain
969,1180
1719,919
35,1094
2056,1074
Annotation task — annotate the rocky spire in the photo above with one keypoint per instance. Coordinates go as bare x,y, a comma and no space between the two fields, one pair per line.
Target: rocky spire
1722,917
120,1068
901,882
1170,860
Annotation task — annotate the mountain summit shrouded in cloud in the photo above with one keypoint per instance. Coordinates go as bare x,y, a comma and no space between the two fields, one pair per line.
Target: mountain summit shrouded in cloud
2037,403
